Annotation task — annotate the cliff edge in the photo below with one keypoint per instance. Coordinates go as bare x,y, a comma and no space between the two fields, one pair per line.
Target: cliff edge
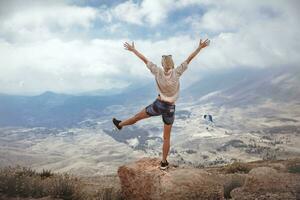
257,180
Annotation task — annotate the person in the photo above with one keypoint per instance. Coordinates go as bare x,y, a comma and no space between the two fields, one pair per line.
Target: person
168,85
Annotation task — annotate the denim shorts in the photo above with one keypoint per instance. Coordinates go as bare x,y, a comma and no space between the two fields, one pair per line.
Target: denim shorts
166,110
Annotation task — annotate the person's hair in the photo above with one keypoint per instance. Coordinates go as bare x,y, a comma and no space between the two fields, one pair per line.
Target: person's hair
167,62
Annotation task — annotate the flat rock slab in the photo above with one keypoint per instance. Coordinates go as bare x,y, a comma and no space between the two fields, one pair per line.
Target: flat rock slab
144,180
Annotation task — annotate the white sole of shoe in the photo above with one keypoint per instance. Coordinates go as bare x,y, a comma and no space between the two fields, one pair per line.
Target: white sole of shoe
163,168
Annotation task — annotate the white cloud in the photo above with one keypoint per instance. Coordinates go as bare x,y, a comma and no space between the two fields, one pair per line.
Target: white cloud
62,16
147,13
38,54
220,20
38,21
156,11
129,12
80,65
250,33
59,66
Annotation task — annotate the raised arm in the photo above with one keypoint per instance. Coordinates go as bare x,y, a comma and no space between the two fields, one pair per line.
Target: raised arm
131,48
201,46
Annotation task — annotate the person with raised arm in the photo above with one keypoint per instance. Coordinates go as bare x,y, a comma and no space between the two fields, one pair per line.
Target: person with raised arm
168,85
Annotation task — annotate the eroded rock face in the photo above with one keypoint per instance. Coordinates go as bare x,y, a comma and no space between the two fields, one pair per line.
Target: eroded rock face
144,180
267,183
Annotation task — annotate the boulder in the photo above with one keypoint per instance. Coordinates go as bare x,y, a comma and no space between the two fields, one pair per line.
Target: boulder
267,183
144,180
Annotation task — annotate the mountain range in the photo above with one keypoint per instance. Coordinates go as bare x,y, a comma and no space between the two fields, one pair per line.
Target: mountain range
231,87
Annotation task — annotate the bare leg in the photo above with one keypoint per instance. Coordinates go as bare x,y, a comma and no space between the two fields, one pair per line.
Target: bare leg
137,117
166,145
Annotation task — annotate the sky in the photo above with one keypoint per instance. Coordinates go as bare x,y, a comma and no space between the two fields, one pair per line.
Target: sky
76,46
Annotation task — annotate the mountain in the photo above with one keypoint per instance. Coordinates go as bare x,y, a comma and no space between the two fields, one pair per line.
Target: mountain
50,109
247,87
235,87
62,110
256,115
217,80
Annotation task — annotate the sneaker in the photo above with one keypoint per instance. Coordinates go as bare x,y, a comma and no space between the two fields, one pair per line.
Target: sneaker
116,123
164,165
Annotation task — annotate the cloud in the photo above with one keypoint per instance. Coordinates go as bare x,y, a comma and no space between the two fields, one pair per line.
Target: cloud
60,66
59,46
129,12
77,65
38,20
250,34
146,13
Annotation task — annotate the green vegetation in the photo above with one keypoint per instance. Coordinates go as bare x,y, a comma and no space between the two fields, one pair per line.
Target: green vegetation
294,169
293,166
25,182
107,194
237,167
46,174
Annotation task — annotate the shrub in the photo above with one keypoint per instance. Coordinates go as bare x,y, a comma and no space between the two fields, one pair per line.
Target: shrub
108,194
25,182
294,169
237,167
67,188
46,174
293,166
24,171
269,154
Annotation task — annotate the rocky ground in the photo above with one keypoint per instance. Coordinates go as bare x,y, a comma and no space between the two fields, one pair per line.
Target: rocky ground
259,180
255,180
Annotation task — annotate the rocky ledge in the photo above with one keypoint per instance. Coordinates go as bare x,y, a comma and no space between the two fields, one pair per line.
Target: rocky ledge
257,180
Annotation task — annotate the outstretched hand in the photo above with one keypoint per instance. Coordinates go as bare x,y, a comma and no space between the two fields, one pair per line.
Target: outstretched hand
129,47
203,44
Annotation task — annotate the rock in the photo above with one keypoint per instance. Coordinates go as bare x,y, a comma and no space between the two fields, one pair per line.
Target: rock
3,197
232,181
144,180
267,183
278,166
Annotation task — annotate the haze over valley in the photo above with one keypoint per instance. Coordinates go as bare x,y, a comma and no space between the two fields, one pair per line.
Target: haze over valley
256,115
65,73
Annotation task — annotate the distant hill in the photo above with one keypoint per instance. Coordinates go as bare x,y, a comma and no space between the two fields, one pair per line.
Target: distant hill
247,87
51,109
235,87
